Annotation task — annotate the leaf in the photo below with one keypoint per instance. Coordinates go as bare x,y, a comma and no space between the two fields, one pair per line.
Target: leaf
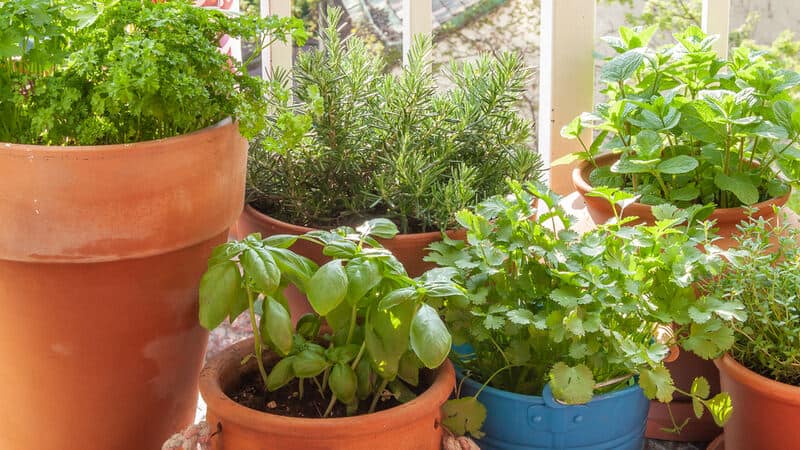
709,339
308,326
221,292
408,369
397,297
281,374
464,415
382,228
430,339
700,387
387,335
260,269
621,67
572,385
280,240
277,324
740,185
697,407
720,408
343,382
572,130
363,274
657,384
520,316
678,164
328,287
698,120
295,268
307,364
686,194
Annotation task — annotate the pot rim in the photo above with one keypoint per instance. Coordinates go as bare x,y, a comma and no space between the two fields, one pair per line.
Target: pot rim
132,146
767,387
300,229
721,215
541,398
224,406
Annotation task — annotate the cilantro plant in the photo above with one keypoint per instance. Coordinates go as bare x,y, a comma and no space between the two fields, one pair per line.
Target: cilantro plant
352,142
383,325
584,313
115,71
764,276
691,128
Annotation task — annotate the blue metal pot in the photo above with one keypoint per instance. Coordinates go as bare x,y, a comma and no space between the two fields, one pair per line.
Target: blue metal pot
614,421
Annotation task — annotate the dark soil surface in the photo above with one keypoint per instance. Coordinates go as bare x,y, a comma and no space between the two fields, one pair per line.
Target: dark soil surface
286,401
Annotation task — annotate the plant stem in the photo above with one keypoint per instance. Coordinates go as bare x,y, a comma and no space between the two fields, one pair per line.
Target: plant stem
378,393
330,406
256,335
353,318
300,388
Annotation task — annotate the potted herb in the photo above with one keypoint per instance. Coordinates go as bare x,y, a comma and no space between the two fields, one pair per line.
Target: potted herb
352,142
567,334
299,388
683,126
762,370
123,166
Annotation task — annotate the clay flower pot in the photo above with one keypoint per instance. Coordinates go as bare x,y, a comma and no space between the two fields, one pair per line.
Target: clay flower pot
415,425
410,249
766,413
726,218
101,252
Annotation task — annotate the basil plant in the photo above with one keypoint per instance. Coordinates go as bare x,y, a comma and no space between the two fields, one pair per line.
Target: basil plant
382,330
689,127
587,313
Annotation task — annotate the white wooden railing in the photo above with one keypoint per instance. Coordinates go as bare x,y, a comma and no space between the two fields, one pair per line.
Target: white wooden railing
567,65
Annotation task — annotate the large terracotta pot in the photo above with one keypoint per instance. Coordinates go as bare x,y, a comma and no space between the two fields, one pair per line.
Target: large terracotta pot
726,218
409,249
766,413
101,252
415,425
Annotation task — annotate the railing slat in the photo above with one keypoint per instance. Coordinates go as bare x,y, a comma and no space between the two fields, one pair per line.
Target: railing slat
566,80
278,54
717,20
417,18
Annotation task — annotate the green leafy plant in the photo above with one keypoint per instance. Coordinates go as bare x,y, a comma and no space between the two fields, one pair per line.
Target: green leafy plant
383,325
764,275
691,128
585,313
361,143
115,71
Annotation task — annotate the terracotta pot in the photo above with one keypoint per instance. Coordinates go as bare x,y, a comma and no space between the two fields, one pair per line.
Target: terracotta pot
726,218
411,426
766,413
101,252
408,248
684,370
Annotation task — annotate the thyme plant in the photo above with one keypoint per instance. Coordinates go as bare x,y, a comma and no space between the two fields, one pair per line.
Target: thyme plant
350,142
764,275
85,72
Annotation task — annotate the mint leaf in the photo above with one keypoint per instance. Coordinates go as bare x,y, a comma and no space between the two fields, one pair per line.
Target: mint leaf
740,185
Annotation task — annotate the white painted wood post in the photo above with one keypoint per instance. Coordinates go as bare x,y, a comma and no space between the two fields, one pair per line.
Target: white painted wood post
566,79
279,54
717,20
417,18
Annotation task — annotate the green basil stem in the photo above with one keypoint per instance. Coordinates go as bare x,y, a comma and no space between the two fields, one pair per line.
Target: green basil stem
353,318
256,335
300,387
378,394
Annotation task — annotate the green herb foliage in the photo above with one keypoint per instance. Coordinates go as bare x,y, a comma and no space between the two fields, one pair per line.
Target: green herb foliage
384,325
116,71
691,128
764,276
580,312
361,143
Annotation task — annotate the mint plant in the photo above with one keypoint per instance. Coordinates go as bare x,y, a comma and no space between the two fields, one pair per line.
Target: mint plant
383,327
91,72
691,128
386,145
585,313
763,274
